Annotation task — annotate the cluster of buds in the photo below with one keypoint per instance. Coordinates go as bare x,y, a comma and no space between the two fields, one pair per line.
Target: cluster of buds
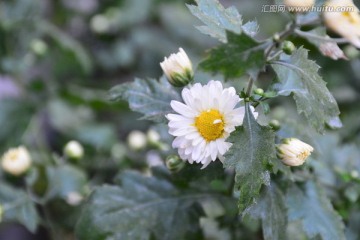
293,152
16,161
346,24
178,69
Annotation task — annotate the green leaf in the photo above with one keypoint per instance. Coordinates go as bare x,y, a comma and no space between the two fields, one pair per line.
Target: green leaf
217,18
299,75
328,48
64,180
240,55
141,208
69,43
252,151
18,206
271,209
15,116
313,208
149,97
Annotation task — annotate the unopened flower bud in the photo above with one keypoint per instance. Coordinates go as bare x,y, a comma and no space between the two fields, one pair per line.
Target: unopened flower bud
259,91
299,5
100,24
174,163
178,69
74,150
276,37
346,24
39,47
274,124
288,47
293,152
136,140
74,198
16,161
153,136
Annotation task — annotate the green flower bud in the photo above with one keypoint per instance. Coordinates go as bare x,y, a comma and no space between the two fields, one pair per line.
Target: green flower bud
274,124
259,91
174,163
178,69
39,47
74,150
288,47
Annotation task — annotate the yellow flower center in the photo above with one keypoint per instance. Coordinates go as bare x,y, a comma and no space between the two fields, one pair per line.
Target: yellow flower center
303,155
210,124
351,17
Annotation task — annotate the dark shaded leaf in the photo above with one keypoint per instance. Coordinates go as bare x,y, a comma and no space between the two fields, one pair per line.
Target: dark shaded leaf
18,206
271,209
149,97
240,55
314,209
140,208
299,75
252,151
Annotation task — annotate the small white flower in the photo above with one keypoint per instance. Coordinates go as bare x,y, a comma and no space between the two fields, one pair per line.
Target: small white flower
74,198
205,121
136,140
293,152
178,69
16,161
74,149
346,24
153,136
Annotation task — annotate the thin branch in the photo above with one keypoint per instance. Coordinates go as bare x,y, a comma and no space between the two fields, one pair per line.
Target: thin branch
313,36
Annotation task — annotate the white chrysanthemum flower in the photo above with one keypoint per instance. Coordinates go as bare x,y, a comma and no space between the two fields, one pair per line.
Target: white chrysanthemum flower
293,152
204,122
178,69
74,149
346,24
16,161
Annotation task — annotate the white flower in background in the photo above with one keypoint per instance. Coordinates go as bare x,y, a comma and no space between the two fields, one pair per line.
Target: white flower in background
299,4
346,24
178,69
293,152
136,140
204,122
74,149
74,198
16,161
153,136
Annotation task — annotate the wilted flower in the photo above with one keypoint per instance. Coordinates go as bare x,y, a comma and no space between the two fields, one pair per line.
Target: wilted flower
346,24
299,5
204,122
16,161
136,140
293,152
74,149
178,69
